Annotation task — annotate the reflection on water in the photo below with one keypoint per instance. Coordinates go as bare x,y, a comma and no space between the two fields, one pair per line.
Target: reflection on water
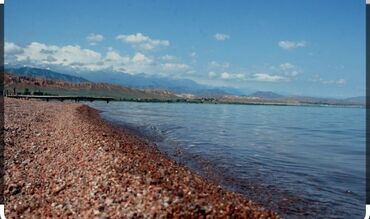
299,161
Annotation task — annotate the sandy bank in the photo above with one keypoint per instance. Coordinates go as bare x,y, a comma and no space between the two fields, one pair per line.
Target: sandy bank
64,160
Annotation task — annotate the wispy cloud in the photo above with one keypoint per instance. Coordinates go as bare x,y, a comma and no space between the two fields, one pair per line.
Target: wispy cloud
229,76
287,66
140,41
94,38
290,70
193,56
258,77
175,67
73,57
221,36
140,57
264,77
288,45
218,65
68,55
212,74
76,58
318,79
168,58
11,48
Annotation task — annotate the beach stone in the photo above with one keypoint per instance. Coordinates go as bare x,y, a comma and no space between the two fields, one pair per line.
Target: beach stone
64,161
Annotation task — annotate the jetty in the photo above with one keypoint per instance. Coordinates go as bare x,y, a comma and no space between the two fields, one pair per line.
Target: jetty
62,98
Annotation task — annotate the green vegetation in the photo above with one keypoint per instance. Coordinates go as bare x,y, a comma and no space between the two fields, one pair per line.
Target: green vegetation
26,92
116,94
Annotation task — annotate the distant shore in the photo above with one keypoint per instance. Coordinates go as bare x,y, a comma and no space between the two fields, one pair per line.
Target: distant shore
30,86
190,101
63,160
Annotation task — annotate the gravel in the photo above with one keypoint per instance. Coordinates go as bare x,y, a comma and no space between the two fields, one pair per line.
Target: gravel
63,161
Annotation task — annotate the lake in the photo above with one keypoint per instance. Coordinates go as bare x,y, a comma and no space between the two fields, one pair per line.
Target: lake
299,161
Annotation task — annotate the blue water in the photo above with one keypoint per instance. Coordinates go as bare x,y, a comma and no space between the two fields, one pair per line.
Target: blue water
303,162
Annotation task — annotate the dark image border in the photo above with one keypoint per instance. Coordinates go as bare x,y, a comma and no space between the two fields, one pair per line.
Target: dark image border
367,103
2,142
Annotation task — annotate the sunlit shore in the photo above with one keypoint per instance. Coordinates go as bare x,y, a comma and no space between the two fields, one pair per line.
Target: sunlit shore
63,160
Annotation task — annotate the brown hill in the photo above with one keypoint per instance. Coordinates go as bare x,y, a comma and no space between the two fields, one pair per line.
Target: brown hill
33,85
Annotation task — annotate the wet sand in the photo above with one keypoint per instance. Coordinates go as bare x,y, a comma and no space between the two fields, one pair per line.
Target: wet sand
63,160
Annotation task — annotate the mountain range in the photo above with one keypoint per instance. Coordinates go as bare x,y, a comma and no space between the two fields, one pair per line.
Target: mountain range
266,95
175,86
140,81
145,81
45,74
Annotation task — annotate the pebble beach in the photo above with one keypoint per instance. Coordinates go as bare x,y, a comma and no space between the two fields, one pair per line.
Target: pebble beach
63,161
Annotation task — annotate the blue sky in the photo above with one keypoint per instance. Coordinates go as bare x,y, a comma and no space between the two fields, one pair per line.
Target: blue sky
300,47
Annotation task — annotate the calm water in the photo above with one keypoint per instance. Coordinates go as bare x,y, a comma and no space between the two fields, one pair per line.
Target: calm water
299,161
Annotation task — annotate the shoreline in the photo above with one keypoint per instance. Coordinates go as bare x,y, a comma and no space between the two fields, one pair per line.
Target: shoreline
185,101
64,160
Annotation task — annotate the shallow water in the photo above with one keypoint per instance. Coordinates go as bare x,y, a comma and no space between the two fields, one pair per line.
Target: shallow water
299,161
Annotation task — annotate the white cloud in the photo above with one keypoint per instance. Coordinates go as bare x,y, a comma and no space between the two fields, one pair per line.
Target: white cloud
94,38
239,76
259,77
295,73
113,60
229,76
175,67
212,74
221,36
139,57
264,77
193,56
133,38
287,66
140,41
138,63
12,49
339,82
10,52
191,72
291,44
217,65
113,56
75,58
290,69
225,75
168,58
70,55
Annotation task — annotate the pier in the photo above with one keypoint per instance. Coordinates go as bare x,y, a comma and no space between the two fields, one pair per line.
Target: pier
62,98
